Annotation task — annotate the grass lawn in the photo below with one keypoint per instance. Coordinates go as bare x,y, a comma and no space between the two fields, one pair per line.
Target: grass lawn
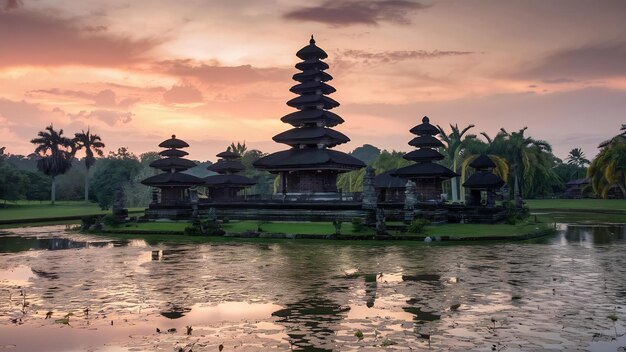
308,228
483,230
24,210
578,204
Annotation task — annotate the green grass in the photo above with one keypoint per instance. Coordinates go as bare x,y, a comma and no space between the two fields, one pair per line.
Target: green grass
577,204
308,228
24,210
483,230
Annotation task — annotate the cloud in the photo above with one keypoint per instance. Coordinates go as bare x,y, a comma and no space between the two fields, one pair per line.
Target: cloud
8,5
339,13
40,39
105,98
395,56
110,117
214,74
587,62
183,94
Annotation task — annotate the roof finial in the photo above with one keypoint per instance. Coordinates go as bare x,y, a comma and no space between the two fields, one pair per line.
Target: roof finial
425,119
173,136
312,41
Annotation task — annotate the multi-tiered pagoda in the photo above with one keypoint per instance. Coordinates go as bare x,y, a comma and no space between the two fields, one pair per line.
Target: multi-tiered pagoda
309,167
226,185
483,180
426,173
172,183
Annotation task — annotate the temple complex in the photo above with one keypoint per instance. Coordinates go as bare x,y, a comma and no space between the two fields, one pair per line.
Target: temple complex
426,173
309,168
171,197
227,184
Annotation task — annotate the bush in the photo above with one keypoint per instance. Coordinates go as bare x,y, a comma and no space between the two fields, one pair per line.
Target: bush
87,221
225,220
337,224
111,220
357,225
191,230
417,226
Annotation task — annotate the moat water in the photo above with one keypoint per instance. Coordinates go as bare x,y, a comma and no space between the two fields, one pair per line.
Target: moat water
563,292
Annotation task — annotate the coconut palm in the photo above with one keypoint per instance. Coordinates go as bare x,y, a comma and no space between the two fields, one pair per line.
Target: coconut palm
55,153
455,142
576,157
238,148
608,169
527,157
92,144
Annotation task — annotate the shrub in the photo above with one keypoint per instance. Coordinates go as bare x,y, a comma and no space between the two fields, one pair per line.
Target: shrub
417,226
87,221
225,220
337,224
111,220
357,225
191,230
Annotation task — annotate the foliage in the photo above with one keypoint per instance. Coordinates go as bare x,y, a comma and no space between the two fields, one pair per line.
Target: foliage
455,142
238,148
88,220
608,170
111,220
337,224
13,183
353,181
92,145
116,171
264,180
55,154
418,226
357,225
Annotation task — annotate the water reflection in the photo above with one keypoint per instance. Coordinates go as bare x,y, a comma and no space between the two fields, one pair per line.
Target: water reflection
555,293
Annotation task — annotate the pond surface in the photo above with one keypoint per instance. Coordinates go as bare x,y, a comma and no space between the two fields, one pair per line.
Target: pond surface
61,291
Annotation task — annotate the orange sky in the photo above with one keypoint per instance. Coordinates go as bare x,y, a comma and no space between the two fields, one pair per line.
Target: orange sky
218,71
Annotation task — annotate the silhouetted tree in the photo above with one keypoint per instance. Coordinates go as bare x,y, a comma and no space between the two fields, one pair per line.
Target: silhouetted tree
55,154
92,144
238,148
455,142
577,158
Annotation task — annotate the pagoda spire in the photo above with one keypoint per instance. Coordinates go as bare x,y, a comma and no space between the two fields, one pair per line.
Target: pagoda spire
311,133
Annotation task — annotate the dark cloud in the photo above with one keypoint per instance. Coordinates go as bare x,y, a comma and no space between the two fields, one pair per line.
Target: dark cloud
395,56
105,98
110,117
587,62
8,5
221,75
33,38
354,12
182,94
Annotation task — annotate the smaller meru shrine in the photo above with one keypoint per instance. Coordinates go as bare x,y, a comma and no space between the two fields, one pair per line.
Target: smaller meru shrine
306,172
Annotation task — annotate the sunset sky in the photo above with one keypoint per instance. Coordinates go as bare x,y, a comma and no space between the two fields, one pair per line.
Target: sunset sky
217,71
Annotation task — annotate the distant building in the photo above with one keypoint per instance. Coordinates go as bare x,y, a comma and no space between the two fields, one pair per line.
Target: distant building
576,188
483,181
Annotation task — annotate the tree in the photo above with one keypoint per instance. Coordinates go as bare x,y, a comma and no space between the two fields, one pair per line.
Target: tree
455,142
608,169
238,148
113,173
527,159
577,158
92,144
55,154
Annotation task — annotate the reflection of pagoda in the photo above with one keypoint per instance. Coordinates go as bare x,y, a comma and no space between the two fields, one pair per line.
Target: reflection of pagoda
226,184
427,175
172,183
310,167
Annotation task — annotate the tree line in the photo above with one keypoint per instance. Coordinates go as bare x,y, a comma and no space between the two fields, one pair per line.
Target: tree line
527,165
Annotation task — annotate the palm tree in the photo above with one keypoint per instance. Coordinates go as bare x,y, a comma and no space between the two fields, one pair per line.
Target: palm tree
92,143
238,148
608,169
55,153
523,154
577,158
454,146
